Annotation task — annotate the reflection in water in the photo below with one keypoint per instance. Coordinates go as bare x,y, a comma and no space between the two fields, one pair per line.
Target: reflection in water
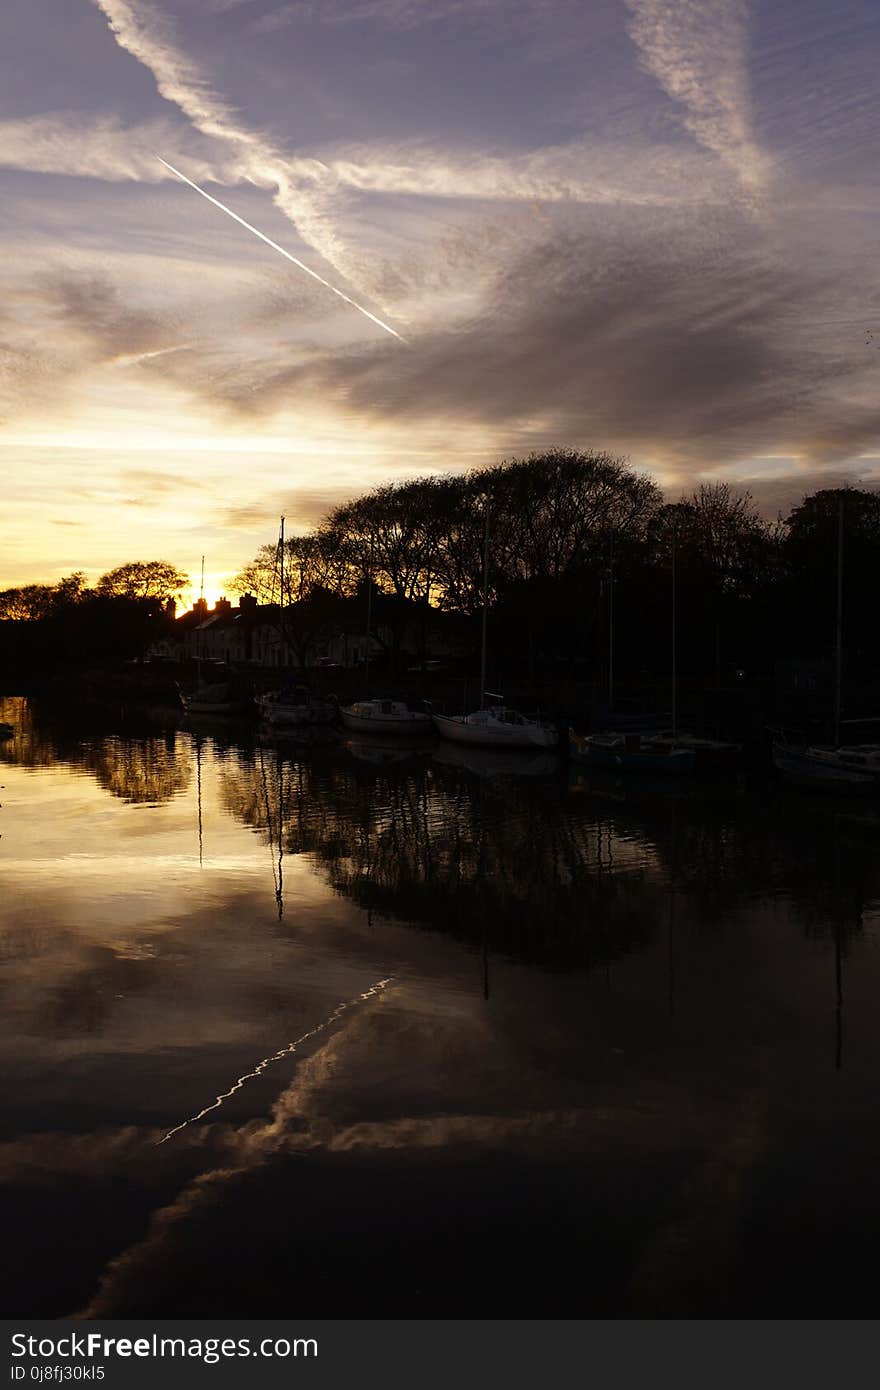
144,770
589,1015
433,846
277,1056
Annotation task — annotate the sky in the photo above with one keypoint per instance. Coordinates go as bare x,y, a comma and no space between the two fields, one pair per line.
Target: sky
641,226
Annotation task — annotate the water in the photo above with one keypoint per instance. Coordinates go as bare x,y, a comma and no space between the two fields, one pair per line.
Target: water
332,1032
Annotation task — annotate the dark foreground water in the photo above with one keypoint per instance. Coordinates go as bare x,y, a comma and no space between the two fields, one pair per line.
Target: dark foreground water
332,1032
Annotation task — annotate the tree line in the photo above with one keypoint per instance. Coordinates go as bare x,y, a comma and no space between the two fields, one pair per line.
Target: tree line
584,555
579,543
153,581
42,625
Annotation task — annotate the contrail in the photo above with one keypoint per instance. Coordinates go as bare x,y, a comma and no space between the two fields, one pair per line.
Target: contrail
131,359
275,247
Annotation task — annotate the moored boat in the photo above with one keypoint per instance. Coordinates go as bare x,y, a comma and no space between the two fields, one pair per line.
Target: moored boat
296,708
710,754
213,700
627,753
856,768
496,727
384,717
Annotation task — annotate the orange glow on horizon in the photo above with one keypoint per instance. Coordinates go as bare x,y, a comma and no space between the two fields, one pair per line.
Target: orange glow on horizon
216,587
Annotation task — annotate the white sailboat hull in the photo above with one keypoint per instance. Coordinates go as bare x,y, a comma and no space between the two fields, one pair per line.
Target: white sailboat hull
815,769
295,716
494,734
394,724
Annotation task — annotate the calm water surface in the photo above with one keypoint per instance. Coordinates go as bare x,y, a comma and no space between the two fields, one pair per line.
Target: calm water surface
337,1032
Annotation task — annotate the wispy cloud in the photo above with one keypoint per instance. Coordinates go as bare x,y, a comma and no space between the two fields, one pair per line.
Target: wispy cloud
92,306
698,51
302,188
396,14
104,148
583,171
655,347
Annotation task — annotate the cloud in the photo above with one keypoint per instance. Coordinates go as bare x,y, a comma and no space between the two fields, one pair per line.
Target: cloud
91,306
303,189
396,14
304,507
680,337
698,52
679,347
103,147
779,496
584,171
147,35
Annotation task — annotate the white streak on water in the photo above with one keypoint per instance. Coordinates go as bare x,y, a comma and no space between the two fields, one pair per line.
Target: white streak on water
277,1056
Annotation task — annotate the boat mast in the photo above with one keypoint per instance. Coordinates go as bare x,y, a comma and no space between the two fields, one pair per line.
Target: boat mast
838,662
485,609
369,640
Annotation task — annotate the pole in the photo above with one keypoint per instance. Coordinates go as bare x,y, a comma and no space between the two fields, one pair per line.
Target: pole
199,790
838,664
611,625
369,616
485,609
199,631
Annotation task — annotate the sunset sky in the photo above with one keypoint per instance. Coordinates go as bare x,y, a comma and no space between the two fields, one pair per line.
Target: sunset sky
647,226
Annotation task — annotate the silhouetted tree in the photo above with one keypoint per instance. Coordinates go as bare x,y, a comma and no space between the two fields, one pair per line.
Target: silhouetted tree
154,579
726,557
810,556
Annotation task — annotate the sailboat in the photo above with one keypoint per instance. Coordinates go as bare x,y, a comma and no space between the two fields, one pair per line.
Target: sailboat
496,725
853,768
384,717
293,706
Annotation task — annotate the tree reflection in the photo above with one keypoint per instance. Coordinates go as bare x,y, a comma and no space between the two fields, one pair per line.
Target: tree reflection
562,870
139,770
497,863
525,868
145,770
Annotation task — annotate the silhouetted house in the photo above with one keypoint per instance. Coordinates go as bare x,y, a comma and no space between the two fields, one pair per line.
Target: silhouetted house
252,634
